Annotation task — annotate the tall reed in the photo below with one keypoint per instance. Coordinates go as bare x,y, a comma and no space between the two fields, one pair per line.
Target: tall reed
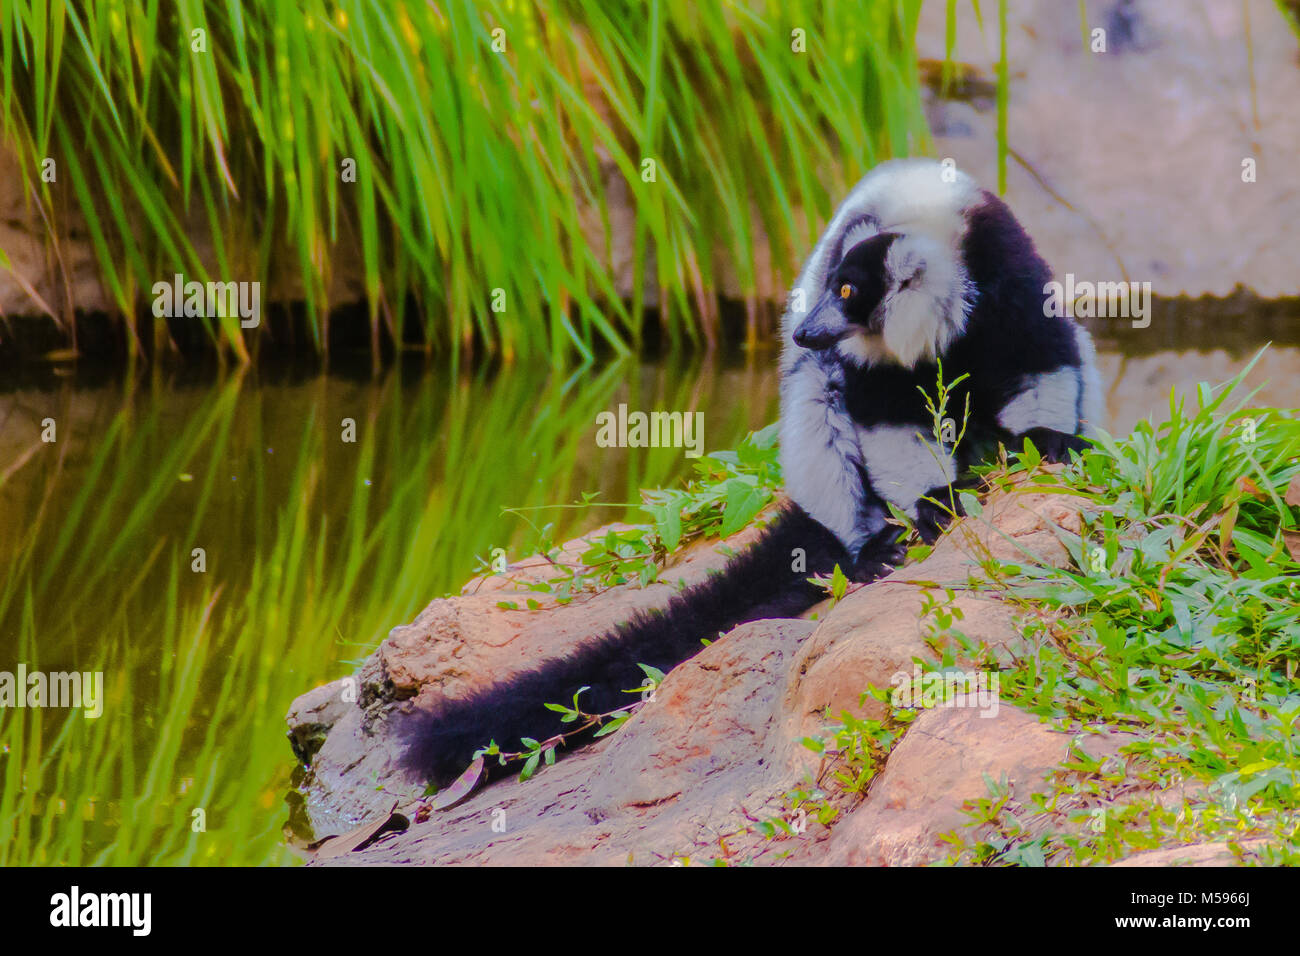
511,158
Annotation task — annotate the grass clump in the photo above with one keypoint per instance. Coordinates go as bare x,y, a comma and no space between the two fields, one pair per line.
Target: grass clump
466,157
727,492
1177,620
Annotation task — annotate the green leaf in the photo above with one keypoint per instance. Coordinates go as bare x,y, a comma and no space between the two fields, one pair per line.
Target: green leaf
612,725
1030,456
530,766
839,583
668,524
743,502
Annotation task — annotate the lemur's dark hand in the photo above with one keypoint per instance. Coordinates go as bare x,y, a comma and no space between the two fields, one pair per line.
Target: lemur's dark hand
1054,446
879,556
932,518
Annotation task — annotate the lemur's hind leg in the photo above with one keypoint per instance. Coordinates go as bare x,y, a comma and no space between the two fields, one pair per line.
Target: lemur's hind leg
1046,410
906,467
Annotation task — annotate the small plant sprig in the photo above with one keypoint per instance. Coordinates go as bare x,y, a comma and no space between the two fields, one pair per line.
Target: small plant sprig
537,752
836,584
938,409
854,750
944,445
728,492
618,557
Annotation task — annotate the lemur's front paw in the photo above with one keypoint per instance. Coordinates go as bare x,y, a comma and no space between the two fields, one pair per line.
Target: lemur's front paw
932,518
1055,446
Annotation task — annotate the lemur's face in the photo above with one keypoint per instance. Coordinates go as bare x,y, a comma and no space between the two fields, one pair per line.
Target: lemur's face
888,299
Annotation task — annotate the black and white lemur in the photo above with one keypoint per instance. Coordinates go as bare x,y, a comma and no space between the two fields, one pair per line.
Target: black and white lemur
918,264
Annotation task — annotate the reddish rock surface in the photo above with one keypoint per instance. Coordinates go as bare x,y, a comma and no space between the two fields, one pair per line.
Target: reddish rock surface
1196,854
676,774
717,749
940,765
456,646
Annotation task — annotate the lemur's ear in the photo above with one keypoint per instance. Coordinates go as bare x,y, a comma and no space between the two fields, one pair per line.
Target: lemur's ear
864,227
908,262
911,270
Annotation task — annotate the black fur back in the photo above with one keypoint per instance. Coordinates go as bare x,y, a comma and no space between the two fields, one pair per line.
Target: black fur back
1007,337
759,582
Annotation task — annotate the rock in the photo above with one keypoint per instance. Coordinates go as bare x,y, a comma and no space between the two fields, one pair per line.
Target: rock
314,714
357,758
708,735
874,633
715,750
939,765
838,662
456,646
1195,854
459,645
676,773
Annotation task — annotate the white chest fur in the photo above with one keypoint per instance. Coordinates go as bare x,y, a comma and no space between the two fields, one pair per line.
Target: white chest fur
820,454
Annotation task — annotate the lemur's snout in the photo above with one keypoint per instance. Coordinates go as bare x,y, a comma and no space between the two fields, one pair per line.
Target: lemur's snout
825,325
809,339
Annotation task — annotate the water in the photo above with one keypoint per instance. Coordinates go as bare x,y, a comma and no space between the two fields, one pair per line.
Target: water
313,547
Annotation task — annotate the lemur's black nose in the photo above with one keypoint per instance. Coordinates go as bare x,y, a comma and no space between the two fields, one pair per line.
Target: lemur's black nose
814,338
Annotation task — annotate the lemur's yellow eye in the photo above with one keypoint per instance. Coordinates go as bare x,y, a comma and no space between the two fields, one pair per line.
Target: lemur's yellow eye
846,290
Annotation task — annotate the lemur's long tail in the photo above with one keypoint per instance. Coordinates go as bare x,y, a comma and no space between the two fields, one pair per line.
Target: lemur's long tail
759,582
